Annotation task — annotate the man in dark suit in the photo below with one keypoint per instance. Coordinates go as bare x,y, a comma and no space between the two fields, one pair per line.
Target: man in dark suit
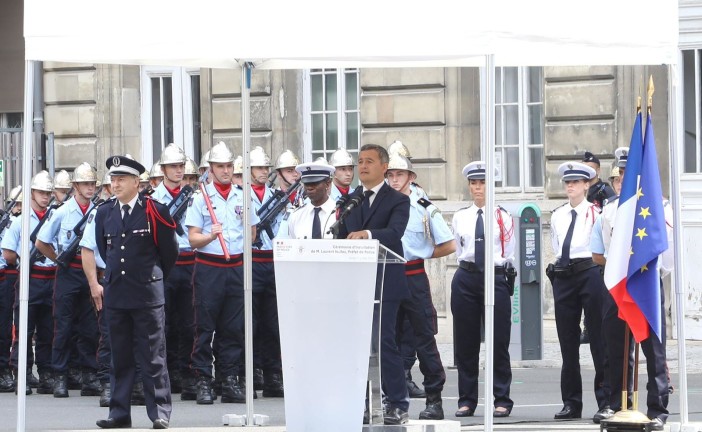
383,216
136,236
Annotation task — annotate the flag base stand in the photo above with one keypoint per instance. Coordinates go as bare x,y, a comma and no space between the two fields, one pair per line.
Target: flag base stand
629,420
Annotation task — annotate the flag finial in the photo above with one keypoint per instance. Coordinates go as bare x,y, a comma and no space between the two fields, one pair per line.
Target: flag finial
651,89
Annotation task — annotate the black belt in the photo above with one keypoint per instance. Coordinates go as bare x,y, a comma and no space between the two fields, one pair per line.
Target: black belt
575,266
472,268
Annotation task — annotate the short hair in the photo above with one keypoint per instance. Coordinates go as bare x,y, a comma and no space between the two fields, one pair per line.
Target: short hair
382,152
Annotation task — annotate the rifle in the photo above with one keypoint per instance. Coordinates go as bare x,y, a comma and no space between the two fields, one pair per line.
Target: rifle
34,254
5,214
270,210
179,205
66,256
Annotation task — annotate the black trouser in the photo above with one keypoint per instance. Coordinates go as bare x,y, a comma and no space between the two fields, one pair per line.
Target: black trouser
419,311
139,333
392,373
656,365
265,315
7,295
468,307
104,353
219,306
39,319
180,329
73,305
573,293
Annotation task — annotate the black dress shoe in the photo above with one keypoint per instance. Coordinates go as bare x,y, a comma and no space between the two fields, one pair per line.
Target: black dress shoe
465,412
656,424
603,414
395,416
501,412
568,412
111,423
61,386
160,424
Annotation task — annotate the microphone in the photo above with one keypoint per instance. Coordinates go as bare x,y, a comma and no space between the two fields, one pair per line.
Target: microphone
344,199
354,201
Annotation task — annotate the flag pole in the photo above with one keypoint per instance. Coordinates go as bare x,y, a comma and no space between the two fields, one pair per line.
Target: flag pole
625,368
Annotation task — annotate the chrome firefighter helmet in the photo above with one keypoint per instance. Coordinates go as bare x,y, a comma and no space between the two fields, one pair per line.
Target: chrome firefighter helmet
398,148
259,158
341,158
107,179
62,180
239,165
220,153
173,155
144,177
42,181
15,193
203,161
156,171
399,162
84,173
190,167
287,159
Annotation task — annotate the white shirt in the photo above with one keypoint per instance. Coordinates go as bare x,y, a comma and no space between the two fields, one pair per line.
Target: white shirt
463,225
300,221
131,205
580,242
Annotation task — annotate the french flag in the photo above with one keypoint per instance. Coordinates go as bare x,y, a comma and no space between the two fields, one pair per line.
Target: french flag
638,238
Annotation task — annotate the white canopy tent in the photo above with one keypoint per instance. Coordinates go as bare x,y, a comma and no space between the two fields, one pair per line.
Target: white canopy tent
366,34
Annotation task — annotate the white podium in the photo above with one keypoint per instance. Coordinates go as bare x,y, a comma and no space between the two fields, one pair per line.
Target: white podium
325,294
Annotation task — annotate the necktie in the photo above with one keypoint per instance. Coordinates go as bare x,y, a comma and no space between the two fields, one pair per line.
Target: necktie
316,224
565,251
480,241
125,214
365,206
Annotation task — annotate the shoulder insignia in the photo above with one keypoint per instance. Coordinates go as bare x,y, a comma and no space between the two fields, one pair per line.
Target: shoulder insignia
562,205
424,202
91,217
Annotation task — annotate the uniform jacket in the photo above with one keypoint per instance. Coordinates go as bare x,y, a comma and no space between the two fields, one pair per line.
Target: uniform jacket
387,221
135,266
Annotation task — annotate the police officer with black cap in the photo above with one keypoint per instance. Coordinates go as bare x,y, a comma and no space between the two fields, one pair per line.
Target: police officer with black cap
468,296
599,192
136,236
577,287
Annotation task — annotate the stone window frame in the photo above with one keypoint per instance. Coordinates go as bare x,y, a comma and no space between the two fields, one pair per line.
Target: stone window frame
692,110
518,104
329,109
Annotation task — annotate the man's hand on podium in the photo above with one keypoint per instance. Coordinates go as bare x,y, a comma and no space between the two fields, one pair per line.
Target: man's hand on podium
356,235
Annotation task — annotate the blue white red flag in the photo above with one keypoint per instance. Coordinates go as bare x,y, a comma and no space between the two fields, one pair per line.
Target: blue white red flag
638,238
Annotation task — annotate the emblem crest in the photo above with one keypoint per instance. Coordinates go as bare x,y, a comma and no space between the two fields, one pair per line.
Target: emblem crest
116,161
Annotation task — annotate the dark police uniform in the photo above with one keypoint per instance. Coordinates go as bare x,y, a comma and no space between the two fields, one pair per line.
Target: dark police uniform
7,382
658,387
468,306
577,286
139,254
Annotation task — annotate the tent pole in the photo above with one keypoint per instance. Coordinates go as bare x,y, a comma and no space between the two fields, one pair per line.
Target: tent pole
675,130
488,154
248,294
27,145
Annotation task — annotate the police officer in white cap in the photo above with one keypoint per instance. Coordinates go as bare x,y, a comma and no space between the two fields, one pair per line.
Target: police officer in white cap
72,292
468,295
577,287
313,219
41,281
344,164
427,236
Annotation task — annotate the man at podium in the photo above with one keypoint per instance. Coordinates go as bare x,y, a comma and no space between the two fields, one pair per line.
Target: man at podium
383,215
